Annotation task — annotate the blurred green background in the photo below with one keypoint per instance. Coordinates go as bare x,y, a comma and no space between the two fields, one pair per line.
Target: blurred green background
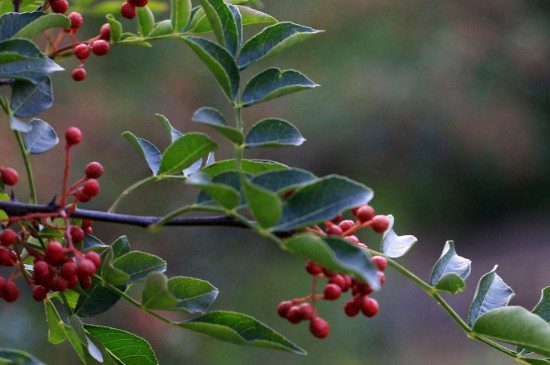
441,107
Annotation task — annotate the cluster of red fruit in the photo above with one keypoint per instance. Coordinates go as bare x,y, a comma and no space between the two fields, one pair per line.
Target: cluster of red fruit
128,9
57,266
300,309
99,45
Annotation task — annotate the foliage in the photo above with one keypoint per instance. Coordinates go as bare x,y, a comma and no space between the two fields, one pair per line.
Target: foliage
282,204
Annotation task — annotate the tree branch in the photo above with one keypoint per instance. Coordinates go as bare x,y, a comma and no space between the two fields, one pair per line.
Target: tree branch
15,208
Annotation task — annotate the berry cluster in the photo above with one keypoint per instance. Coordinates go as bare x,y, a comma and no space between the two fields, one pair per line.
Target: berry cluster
301,309
98,45
57,264
128,9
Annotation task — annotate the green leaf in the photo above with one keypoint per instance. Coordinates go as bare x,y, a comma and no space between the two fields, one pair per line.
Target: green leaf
13,50
156,294
42,23
146,20
148,151
139,264
194,295
252,16
92,243
214,119
172,132
273,133
92,354
542,309
450,271
111,274
240,329
273,83
223,23
322,200
30,70
125,347
11,23
491,293
199,23
163,27
253,167
223,194
280,181
56,327
29,99
120,247
18,125
515,325
534,361
41,138
265,205
180,14
230,179
116,27
239,23
336,254
194,167
272,40
185,151
17,357
395,246
75,343
219,62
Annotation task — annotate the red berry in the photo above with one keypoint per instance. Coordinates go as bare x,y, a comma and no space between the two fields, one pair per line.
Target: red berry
41,268
347,224
347,283
369,306
335,230
88,230
73,134
86,223
294,315
85,282
352,308
128,11
380,262
59,284
380,223
382,277
100,47
94,170
329,273
284,307
76,20
8,237
79,74
77,234
307,311
82,196
338,280
39,293
2,283
5,257
91,187
362,288
319,327
85,268
354,210
95,258
105,32
11,291
138,3
365,213
68,270
71,283
352,239
332,292
54,253
9,176
313,268
337,219
59,6
82,51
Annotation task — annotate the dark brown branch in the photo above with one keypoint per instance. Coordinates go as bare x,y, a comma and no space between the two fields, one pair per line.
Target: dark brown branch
15,208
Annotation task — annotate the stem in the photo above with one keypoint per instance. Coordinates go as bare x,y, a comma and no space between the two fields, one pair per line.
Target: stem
66,303
128,190
26,160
